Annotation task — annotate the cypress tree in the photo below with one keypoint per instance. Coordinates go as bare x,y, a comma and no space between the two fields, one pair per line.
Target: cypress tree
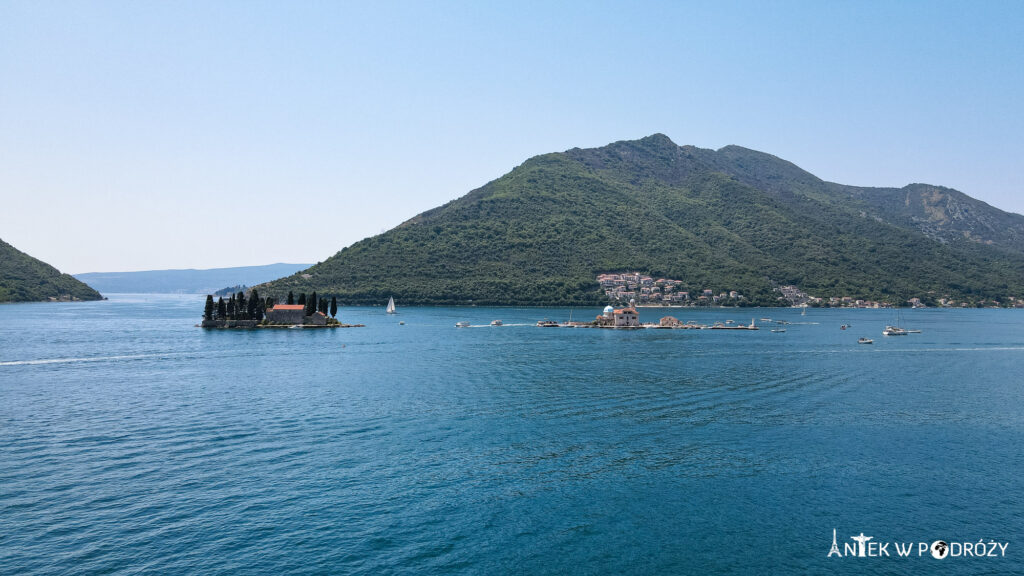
231,307
321,306
254,304
208,310
222,311
291,298
311,304
334,306
302,299
269,303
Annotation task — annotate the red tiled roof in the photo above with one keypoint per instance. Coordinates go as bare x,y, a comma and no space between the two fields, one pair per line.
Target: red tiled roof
288,307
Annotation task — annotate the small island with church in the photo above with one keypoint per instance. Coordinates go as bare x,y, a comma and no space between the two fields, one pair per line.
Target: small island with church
240,311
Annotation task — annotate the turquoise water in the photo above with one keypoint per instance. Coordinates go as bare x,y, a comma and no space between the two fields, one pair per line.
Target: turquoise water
134,443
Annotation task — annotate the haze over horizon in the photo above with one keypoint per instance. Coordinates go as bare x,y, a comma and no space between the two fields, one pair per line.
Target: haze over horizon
188,135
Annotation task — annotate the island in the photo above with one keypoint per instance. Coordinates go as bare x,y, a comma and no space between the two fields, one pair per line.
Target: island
253,312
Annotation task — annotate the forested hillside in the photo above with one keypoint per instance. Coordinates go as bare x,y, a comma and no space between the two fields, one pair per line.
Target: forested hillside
727,219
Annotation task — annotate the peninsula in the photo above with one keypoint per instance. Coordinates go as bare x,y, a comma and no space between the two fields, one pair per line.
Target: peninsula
27,279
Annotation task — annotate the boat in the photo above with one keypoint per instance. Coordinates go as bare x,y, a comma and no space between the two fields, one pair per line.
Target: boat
391,305
462,324
545,323
295,327
402,323
897,329
894,331
778,329
865,341
495,322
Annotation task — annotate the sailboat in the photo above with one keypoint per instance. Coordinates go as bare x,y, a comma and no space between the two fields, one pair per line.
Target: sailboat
896,330
391,305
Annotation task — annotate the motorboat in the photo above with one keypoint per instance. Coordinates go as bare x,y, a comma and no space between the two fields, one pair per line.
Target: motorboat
865,341
545,323
462,324
495,322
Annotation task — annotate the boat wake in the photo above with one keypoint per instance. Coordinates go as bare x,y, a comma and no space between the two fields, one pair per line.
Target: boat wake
80,360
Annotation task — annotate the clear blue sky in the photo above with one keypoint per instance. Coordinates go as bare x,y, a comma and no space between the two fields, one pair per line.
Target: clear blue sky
147,135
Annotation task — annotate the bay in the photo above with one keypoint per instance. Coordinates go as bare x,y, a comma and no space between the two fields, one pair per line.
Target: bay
135,443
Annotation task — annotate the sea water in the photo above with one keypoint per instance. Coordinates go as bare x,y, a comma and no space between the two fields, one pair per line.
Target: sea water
132,442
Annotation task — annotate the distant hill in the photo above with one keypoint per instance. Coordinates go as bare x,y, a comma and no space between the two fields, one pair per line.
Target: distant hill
728,219
186,281
26,279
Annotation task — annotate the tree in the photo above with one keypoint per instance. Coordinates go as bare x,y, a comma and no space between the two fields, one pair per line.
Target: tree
240,308
269,303
260,310
208,310
334,306
321,306
231,307
311,304
222,311
302,299
291,298
254,304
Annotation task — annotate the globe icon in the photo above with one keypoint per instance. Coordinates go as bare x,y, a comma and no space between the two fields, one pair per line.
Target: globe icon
940,549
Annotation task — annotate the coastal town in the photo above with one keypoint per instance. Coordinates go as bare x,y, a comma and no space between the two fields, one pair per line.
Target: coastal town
647,290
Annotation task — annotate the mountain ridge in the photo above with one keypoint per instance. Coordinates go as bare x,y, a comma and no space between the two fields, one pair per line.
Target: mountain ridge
187,280
732,218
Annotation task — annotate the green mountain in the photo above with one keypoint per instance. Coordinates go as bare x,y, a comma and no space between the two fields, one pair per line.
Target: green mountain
731,219
25,279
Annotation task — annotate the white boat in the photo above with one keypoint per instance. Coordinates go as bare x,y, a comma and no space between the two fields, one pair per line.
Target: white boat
865,341
391,305
894,331
462,324
495,322
778,329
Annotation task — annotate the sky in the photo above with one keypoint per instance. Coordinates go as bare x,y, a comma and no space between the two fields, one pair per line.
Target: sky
151,135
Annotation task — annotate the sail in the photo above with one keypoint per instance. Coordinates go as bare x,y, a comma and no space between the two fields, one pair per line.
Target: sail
391,305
